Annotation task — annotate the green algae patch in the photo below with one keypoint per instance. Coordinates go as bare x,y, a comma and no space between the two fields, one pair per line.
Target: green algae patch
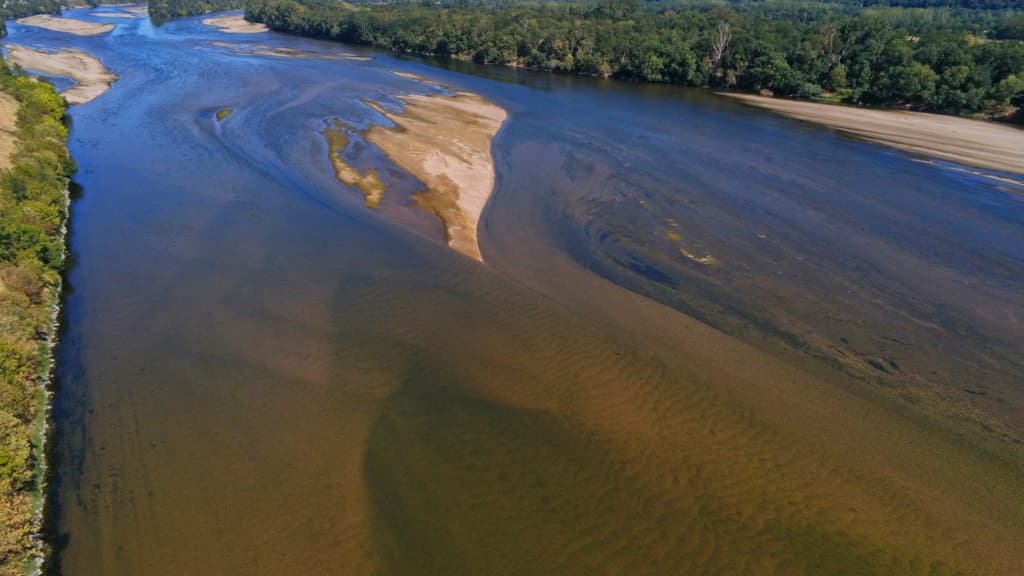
368,183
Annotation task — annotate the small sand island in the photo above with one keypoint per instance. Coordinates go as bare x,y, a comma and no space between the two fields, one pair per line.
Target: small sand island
249,49
118,14
235,25
445,142
68,25
972,142
90,75
223,113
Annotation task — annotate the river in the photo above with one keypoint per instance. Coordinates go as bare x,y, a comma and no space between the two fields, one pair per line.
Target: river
704,338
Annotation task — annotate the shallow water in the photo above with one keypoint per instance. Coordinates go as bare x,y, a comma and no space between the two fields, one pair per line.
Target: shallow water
706,338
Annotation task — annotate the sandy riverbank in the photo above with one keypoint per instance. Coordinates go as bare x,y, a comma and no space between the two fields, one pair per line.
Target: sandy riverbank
8,129
445,142
68,25
971,142
90,75
235,25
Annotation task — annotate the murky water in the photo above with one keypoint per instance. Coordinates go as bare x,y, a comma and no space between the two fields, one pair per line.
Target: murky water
706,339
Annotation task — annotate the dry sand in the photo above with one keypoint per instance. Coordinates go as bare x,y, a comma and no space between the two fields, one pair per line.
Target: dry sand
235,25
971,142
69,25
445,141
90,76
8,129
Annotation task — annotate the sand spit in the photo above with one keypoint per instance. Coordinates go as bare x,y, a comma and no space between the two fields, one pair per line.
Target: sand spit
417,77
114,15
972,142
90,76
445,141
235,25
281,52
8,129
68,25
369,183
223,114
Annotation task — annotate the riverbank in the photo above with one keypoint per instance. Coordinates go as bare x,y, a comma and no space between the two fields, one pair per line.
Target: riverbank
33,225
90,75
961,140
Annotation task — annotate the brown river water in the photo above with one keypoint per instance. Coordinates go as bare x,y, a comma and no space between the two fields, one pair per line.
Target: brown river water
705,339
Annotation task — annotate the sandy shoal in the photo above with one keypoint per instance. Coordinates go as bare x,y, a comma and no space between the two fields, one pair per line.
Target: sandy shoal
90,75
445,142
235,25
127,15
69,25
961,140
8,129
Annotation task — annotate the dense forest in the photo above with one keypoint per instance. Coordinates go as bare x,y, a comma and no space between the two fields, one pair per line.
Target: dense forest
958,60
33,209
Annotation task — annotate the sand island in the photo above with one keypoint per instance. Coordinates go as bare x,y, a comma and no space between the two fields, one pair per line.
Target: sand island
972,142
90,75
445,142
68,25
118,14
235,25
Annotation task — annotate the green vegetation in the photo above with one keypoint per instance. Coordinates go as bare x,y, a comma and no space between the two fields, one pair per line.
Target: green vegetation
161,11
956,60
33,209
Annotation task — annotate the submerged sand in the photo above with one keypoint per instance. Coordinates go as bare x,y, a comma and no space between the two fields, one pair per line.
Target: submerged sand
247,49
68,25
235,25
445,142
972,142
368,182
90,75
8,129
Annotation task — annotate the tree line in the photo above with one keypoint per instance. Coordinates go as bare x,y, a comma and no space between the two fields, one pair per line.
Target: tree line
161,11
33,209
957,60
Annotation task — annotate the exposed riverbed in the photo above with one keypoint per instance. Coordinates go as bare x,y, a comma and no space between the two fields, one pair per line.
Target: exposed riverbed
701,338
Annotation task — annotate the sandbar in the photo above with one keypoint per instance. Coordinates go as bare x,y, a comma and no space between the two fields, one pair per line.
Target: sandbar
961,140
8,129
68,25
445,142
235,25
90,75
246,49
114,15
223,114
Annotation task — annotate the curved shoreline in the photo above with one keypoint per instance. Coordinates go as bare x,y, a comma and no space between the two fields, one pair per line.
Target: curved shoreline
91,77
950,138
